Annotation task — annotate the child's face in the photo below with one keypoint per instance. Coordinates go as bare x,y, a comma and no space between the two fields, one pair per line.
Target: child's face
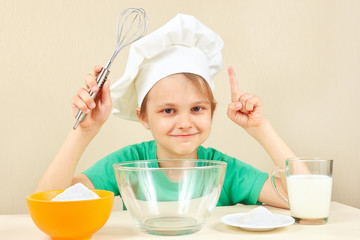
179,117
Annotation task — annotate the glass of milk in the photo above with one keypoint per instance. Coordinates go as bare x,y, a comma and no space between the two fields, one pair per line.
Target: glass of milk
309,183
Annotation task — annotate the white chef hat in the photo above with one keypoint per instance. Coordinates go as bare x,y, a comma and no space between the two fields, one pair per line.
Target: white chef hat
183,45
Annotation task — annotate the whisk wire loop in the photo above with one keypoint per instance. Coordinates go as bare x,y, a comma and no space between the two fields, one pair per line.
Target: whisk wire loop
138,16
134,16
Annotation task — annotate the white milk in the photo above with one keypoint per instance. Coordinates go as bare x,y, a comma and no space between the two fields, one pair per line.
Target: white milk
309,195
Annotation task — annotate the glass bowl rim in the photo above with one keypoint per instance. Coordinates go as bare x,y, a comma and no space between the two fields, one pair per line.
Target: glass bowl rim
120,166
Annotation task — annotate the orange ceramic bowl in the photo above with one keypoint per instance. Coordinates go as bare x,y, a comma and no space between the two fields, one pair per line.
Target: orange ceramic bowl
72,219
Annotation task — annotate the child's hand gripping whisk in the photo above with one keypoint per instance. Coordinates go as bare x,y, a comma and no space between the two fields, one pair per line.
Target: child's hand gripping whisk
132,25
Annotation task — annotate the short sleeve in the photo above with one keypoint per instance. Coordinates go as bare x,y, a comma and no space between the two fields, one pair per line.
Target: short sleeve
102,173
242,182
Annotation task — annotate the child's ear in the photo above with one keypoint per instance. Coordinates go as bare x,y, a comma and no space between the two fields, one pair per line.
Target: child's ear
142,119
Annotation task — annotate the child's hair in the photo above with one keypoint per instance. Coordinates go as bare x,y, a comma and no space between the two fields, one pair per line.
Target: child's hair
200,83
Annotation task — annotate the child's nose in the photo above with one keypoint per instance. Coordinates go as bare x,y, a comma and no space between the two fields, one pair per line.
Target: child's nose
184,120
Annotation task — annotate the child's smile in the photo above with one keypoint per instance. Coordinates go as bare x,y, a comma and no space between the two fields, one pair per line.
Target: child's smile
184,136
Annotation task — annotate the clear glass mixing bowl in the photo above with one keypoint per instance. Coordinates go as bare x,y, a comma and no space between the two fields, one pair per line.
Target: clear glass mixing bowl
170,197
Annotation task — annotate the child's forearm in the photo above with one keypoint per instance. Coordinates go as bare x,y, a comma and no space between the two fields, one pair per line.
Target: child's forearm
60,173
274,146
272,143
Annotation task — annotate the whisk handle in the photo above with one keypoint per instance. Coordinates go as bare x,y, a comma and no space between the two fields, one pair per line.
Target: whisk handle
100,80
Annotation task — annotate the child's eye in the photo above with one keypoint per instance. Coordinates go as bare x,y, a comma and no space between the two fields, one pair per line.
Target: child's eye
197,109
168,110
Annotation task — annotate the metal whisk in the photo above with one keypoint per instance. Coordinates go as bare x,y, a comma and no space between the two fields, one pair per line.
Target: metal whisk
127,33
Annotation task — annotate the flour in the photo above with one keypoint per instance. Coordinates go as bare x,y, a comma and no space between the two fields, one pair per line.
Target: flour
260,216
76,192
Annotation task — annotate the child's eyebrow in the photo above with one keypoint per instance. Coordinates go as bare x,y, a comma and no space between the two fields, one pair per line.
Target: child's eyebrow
201,103
166,105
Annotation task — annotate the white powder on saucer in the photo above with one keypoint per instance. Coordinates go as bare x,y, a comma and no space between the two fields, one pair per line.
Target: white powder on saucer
76,192
259,216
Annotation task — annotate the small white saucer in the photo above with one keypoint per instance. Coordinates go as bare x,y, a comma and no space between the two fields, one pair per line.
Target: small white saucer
233,220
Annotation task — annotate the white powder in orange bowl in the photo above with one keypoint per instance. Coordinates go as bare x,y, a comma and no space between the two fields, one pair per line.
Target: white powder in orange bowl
76,192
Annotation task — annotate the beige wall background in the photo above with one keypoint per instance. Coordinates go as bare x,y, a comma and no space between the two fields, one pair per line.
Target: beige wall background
301,57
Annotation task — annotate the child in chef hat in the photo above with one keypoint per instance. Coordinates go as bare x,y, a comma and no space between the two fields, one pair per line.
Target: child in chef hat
168,87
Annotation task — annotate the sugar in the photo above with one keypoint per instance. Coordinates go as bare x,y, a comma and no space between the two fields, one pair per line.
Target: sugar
259,216
76,192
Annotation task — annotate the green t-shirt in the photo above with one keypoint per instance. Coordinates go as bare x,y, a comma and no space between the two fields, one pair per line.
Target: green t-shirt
242,183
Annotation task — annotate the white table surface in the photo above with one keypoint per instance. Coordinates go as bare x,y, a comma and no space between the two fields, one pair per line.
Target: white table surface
343,224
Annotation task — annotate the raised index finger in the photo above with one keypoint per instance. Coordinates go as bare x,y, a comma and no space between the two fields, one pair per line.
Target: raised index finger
234,88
